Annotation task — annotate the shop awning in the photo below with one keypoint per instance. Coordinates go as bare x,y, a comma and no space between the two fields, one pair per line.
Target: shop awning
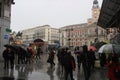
108,13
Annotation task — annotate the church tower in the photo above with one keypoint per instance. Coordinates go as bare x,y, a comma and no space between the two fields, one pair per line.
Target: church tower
95,11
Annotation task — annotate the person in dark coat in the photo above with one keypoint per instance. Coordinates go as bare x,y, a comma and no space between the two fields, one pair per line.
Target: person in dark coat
69,65
8,55
63,52
51,58
113,64
93,58
102,60
86,63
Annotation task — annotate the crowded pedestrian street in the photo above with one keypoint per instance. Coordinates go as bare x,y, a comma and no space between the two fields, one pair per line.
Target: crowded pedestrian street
41,70
60,40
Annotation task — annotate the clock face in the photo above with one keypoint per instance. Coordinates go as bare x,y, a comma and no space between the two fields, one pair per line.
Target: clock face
94,11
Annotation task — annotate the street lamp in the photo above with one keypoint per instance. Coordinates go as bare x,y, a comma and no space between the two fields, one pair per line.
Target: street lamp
69,38
96,31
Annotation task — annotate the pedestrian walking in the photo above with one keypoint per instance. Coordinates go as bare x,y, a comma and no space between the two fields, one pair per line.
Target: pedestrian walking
8,55
86,63
79,59
69,65
113,65
102,60
29,55
51,58
92,58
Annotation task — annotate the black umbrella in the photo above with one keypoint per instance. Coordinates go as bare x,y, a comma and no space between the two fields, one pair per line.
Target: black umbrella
38,40
10,46
99,44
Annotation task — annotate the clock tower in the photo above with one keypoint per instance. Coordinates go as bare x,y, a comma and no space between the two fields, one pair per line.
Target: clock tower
95,11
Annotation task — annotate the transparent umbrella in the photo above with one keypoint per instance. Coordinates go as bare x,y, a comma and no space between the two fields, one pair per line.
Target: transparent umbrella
107,48
110,48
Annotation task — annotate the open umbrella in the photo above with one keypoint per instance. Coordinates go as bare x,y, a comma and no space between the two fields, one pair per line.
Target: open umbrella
92,47
25,45
38,40
110,48
10,46
107,48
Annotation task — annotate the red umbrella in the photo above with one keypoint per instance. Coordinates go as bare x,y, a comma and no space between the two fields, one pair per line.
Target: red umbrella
92,47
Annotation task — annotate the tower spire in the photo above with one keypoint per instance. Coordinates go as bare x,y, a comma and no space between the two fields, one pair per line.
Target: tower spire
95,4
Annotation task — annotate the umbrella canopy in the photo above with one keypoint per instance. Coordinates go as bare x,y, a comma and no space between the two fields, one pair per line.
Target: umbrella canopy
107,48
38,40
92,47
110,48
10,46
99,44
25,45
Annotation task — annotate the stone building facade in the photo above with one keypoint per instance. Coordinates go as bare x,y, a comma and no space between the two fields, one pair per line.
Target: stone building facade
5,20
85,33
46,33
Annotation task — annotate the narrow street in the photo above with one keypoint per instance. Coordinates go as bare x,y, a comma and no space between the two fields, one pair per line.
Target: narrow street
40,70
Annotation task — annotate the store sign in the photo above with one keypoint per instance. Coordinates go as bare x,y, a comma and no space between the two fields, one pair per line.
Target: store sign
6,36
8,30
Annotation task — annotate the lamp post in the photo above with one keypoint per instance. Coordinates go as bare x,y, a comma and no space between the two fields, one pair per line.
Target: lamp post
69,38
96,31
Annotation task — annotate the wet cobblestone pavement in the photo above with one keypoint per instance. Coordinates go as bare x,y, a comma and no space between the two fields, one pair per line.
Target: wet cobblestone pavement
40,70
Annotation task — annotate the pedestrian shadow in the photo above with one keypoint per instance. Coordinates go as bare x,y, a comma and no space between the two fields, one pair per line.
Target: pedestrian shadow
8,75
23,71
80,74
60,73
50,72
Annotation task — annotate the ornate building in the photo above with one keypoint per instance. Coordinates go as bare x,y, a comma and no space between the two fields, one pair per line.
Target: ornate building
95,32
83,34
46,32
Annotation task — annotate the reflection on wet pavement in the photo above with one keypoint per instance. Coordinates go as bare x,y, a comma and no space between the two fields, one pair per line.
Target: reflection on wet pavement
41,70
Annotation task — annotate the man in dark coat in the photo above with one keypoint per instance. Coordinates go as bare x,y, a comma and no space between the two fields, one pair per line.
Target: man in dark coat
86,63
102,60
69,65
8,55
92,58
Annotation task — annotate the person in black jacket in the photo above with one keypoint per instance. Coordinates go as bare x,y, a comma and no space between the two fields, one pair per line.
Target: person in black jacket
92,58
102,60
69,65
8,55
86,62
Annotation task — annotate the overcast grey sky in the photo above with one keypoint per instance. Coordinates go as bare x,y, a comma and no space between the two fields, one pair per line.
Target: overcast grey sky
56,13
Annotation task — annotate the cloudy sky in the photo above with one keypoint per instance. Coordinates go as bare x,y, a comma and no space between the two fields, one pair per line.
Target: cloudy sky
57,13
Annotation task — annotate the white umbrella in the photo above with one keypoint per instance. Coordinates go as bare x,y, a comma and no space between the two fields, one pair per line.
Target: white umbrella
107,48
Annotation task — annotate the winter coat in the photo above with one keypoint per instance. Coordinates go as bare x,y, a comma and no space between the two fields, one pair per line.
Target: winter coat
111,67
69,62
8,54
